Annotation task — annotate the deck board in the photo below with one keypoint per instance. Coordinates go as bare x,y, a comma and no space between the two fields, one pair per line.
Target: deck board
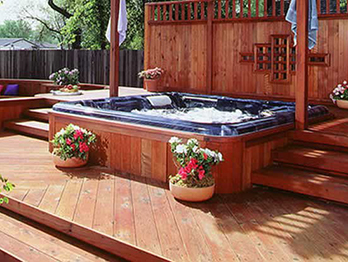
259,225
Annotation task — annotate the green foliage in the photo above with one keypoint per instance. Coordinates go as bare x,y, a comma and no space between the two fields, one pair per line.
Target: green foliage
72,141
90,18
7,186
16,29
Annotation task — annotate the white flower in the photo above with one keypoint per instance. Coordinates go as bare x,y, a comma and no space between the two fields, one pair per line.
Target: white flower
174,139
344,82
195,149
219,156
192,141
181,149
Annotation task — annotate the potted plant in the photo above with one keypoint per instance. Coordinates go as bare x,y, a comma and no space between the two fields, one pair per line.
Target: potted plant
340,95
194,180
7,186
71,146
67,80
151,79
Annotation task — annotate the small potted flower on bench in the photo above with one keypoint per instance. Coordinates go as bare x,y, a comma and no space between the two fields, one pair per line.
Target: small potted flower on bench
71,146
67,81
151,79
340,95
194,180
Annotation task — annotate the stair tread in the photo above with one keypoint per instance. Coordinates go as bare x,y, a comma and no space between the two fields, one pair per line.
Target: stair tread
303,181
326,159
30,124
40,110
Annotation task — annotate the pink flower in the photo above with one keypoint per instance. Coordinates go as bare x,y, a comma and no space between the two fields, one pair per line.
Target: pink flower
201,174
193,163
73,147
188,169
182,173
68,141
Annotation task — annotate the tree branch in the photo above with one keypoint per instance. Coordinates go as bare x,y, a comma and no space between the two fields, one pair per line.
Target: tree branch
44,23
59,9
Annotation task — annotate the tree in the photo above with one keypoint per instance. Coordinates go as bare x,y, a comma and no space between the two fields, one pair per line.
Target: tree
16,29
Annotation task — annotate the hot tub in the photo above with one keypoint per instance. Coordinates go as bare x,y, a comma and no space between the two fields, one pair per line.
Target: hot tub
158,110
133,132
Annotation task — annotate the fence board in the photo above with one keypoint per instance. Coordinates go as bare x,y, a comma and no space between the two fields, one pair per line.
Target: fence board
92,64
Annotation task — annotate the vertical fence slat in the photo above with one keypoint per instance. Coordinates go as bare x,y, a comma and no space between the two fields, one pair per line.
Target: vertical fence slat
170,12
164,12
195,12
273,8
327,6
158,13
265,3
281,7
319,6
188,11
338,8
249,8
233,8
183,11
177,12
226,8
219,9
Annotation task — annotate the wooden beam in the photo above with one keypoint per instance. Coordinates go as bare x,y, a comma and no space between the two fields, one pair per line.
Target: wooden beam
114,49
302,65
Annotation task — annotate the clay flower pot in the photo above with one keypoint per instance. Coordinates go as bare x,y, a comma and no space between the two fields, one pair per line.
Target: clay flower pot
151,85
192,194
342,104
70,162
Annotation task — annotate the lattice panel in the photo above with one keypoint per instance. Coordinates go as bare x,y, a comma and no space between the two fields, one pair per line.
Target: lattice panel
278,58
263,53
280,70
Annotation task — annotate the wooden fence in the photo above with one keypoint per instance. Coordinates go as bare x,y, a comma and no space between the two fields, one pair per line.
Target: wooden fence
93,65
243,48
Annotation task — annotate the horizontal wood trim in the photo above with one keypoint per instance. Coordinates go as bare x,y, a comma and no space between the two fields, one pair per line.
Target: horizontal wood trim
177,2
85,234
8,256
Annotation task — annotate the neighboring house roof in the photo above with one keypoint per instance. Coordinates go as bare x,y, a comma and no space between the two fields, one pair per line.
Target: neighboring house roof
23,44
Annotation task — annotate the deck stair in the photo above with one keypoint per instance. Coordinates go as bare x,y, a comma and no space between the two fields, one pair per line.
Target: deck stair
33,123
309,167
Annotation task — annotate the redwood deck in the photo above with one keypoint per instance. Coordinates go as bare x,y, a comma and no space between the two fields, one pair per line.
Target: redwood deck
259,225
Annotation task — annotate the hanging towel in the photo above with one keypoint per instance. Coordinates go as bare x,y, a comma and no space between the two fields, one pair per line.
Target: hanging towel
122,23
313,24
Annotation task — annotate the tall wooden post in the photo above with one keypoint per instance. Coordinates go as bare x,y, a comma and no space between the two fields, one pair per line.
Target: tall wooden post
302,65
114,49
210,16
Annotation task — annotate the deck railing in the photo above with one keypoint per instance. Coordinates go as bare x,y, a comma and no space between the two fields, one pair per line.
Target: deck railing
227,10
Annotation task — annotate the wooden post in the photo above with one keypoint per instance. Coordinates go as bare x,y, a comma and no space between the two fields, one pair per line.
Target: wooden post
147,35
114,48
210,14
302,65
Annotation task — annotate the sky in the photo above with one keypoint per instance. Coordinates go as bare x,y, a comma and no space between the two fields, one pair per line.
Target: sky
10,9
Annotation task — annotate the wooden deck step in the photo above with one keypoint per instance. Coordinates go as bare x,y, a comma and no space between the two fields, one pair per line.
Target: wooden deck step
338,142
25,240
304,182
40,114
318,159
29,127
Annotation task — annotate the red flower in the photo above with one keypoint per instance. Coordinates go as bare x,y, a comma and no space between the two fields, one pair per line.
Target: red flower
78,134
182,173
83,147
193,164
205,156
73,147
68,141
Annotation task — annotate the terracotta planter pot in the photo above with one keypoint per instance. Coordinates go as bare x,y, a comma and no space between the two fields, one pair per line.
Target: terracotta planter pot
70,162
192,194
152,85
342,104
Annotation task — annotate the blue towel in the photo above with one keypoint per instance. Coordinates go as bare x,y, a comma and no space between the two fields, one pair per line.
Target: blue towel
313,23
